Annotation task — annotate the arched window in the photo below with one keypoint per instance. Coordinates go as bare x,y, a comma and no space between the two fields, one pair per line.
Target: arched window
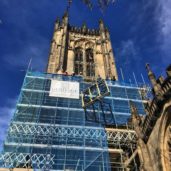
90,66
78,62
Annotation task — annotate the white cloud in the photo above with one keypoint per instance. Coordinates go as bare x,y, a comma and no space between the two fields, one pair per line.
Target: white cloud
165,18
128,48
164,15
128,51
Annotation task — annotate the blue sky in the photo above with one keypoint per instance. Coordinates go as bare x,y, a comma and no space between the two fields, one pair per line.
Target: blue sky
140,33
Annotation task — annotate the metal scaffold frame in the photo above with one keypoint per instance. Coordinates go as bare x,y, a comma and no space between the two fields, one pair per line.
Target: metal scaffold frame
48,132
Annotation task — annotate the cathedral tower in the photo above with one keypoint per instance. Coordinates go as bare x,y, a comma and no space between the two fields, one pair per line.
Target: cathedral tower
65,121
83,51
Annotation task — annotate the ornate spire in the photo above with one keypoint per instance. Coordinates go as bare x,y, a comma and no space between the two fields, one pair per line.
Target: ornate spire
136,119
84,27
57,23
65,14
134,112
65,18
101,25
151,75
156,87
57,20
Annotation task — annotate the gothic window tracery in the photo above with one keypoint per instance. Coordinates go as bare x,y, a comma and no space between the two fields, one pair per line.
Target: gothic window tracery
78,61
90,66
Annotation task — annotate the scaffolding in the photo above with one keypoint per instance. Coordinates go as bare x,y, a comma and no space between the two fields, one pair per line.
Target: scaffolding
51,133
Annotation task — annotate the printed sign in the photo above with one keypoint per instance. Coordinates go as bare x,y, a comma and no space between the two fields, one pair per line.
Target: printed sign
64,89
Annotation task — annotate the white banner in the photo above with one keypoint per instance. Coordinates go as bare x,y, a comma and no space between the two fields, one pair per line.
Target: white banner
64,89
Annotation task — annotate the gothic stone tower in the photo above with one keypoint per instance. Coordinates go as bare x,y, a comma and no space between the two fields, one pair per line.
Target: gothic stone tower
83,51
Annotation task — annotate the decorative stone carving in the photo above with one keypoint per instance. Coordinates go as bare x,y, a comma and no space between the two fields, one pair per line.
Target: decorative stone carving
89,45
79,43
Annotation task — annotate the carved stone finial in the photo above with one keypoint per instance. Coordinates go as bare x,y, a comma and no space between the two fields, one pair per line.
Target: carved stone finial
101,25
151,75
65,18
84,27
156,87
57,20
101,21
133,108
106,29
148,67
135,119
168,71
65,14
57,23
